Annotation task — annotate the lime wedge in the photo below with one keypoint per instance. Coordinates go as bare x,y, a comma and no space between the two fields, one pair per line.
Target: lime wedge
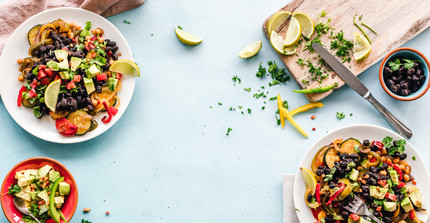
125,66
309,178
51,94
361,47
187,38
278,44
293,33
306,23
250,50
275,22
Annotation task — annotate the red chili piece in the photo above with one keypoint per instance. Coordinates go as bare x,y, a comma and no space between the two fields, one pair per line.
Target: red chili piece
118,76
65,127
19,101
412,214
113,110
32,93
342,187
109,118
378,144
317,193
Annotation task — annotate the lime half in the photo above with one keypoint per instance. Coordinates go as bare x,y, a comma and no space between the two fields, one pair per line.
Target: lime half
51,94
250,50
125,66
187,38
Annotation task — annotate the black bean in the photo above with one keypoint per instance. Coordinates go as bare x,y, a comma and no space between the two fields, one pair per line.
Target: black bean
107,40
396,154
332,185
327,171
309,198
319,172
405,92
114,56
373,169
415,78
416,65
98,88
403,156
422,78
419,72
57,45
365,188
387,219
388,71
111,43
115,48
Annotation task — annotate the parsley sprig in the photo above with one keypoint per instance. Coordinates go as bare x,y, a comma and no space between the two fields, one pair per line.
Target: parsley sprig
396,63
394,145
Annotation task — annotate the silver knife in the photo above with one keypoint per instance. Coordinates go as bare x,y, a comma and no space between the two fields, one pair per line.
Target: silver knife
350,79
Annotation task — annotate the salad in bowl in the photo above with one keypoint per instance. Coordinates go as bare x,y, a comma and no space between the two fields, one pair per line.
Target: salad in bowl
375,171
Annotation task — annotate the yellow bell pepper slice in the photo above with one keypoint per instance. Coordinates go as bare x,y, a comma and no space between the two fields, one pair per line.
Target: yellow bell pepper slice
306,107
284,112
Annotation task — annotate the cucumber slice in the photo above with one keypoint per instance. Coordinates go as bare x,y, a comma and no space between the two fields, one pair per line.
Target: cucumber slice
32,34
330,156
81,119
348,145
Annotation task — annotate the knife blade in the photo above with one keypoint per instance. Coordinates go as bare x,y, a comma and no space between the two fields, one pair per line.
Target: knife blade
347,76
350,79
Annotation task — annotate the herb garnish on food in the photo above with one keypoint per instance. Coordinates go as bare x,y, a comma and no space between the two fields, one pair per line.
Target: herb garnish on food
340,115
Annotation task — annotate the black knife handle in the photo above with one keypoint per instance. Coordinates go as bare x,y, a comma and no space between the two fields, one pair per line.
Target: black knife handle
394,122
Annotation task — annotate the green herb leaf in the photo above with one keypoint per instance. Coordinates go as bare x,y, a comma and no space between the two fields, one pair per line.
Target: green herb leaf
125,21
340,115
14,189
228,131
261,71
247,89
414,158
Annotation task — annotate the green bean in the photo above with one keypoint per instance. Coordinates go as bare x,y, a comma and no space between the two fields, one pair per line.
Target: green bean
316,90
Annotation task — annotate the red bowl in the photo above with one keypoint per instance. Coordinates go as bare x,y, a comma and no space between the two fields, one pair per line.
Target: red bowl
70,203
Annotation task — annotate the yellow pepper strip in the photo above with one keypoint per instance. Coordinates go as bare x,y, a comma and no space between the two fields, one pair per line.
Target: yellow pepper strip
305,108
281,114
284,112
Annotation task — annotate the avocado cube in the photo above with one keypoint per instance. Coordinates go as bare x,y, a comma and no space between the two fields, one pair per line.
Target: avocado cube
43,195
43,209
92,71
393,175
59,200
354,175
415,197
390,206
33,195
53,65
378,192
33,172
44,170
89,85
64,188
25,181
53,175
74,63
19,175
406,204
61,54
362,220
24,195
64,75
63,65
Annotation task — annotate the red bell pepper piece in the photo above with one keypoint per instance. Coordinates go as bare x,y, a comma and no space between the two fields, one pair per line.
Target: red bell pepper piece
71,85
42,67
372,160
19,101
101,76
378,144
32,93
93,38
118,76
382,182
354,217
109,118
412,214
91,46
113,110
317,193
390,196
33,84
65,127
77,78
401,184
397,169
315,212
41,74
342,187
48,72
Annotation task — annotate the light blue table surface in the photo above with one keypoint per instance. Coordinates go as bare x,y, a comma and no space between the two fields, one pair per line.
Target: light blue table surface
168,159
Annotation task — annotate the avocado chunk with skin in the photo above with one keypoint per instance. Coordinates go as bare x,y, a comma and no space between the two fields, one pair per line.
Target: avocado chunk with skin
53,175
92,71
44,196
390,206
378,192
362,220
63,65
24,195
393,175
89,85
74,63
64,188
406,204
415,197
53,65
61,55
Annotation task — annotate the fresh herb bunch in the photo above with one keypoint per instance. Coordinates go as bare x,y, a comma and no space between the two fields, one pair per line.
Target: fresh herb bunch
396,63
394,145
342,46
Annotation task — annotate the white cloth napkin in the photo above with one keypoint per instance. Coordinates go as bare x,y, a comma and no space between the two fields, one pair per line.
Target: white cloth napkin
289,210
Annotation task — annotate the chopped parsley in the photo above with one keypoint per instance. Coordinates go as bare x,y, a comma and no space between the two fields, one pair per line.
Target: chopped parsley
394,145
14,189
273,98
232,109
236,79
340,115
228,131
85,221
259,95
323,14
261,71
125,21
342,46
414,158
300,62
247,89
219,103
180,27
249,111
276,73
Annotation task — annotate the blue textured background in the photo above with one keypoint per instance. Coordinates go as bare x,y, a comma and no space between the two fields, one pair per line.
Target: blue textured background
168,159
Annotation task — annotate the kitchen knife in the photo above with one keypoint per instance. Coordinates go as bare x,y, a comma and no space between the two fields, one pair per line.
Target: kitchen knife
350,79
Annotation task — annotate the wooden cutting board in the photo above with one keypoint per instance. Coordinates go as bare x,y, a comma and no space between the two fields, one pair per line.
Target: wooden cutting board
396,21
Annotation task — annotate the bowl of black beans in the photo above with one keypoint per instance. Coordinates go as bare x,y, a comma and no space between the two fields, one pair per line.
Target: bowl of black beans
404,74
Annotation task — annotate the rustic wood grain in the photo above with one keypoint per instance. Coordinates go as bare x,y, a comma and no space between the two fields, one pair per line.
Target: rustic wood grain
396,22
